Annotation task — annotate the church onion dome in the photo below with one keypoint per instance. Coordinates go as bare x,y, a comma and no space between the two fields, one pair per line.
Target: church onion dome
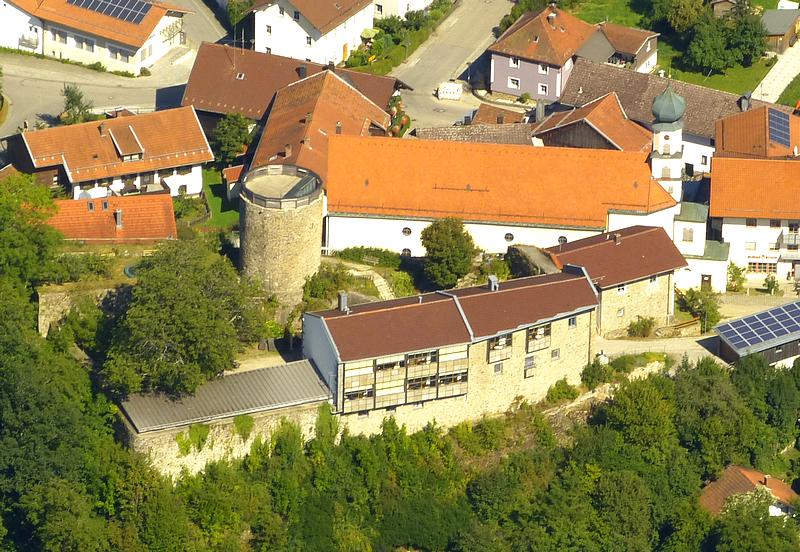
668,107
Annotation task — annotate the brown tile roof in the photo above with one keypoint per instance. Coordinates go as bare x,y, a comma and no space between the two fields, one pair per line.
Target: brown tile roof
97,24
636,91
607,117
637,253
488,182
755,188
169,138
7,171
512,133
626,40
232,174
747,135
539,37
214,87
740,480
433,320
325,15
145,218
489,114
306,113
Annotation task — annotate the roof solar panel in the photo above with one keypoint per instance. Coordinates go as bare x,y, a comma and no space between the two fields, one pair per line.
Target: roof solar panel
132,11
779,127
752,331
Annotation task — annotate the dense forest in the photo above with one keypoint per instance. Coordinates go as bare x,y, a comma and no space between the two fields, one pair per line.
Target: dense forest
626,480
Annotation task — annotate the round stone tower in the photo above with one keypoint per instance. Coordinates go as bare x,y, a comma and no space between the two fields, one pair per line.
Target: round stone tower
280,221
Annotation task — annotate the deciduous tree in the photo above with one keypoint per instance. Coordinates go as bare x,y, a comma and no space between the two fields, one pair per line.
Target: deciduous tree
77,109
229,138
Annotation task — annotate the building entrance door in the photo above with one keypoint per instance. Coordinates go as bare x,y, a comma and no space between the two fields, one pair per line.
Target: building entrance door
705,282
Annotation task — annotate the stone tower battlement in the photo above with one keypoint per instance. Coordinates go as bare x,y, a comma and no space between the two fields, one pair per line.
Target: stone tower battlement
281,229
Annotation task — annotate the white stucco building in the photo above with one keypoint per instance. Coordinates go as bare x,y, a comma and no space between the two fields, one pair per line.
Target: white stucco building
321,31
119,156
135,37
387,8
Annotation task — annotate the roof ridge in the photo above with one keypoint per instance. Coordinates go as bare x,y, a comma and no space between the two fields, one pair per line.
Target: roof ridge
598,243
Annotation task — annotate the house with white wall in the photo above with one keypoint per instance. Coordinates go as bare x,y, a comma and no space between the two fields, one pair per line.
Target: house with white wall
122,36
388,8
383,192
320,31
151,152
754,209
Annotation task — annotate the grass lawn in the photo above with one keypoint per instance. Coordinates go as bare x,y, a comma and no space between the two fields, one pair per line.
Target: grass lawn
616,11
224,214
791,94
736,79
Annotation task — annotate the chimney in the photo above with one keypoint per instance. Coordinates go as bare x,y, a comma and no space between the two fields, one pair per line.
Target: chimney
744,101
617,238
342,303
308,117
102,129
118,218
539,112
467,119
419,297
500,119
338,127
302,71
331,66
287,150
307,141
493,283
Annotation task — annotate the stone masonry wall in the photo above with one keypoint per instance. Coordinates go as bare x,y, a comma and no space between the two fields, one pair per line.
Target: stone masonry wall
281,247
640,298
493,393
55,305
222,442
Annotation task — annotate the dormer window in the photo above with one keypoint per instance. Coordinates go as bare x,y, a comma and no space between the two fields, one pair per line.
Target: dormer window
239,76
90,205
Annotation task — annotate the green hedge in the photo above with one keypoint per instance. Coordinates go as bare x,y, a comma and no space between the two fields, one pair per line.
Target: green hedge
386,258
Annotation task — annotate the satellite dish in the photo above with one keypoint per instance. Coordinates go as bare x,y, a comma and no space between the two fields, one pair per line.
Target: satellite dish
85,195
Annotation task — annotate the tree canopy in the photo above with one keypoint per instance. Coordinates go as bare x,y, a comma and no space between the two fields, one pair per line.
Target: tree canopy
77,109
229,138
187,315
449,251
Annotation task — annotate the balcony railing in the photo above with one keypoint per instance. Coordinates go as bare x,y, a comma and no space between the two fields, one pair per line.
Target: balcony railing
31,42
791,238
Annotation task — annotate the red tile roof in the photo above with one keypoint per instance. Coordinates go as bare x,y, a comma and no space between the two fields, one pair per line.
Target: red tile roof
325,15
97,24
433,320
549,36
145,218
737,480
626,40
621,256
229,80
169,138
563,187
746,134
491,114
755,188
306,113
232,174
606,116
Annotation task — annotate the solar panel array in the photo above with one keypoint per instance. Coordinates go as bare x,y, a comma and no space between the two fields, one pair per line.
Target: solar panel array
751,331
779,127
132,11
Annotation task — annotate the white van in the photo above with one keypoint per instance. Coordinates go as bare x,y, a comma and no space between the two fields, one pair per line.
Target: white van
450,91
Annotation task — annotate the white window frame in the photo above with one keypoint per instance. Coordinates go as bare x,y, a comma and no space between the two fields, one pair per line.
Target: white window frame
511,84
513,62
749,246
544,69
687,235
379,8
622,289
543,89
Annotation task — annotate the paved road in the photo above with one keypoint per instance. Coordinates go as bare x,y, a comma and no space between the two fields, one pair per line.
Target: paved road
34,85
785,69
447,54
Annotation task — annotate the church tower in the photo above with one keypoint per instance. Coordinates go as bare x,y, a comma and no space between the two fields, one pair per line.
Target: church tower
666,160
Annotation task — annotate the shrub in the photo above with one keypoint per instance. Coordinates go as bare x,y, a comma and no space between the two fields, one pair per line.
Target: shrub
327,281
402,283
561,391
386,258
243,425
144,72
194,438
524,98
497,267
97,66
736,277
641,327
595,374
187,207
83,265
702,304
771,284
490,433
